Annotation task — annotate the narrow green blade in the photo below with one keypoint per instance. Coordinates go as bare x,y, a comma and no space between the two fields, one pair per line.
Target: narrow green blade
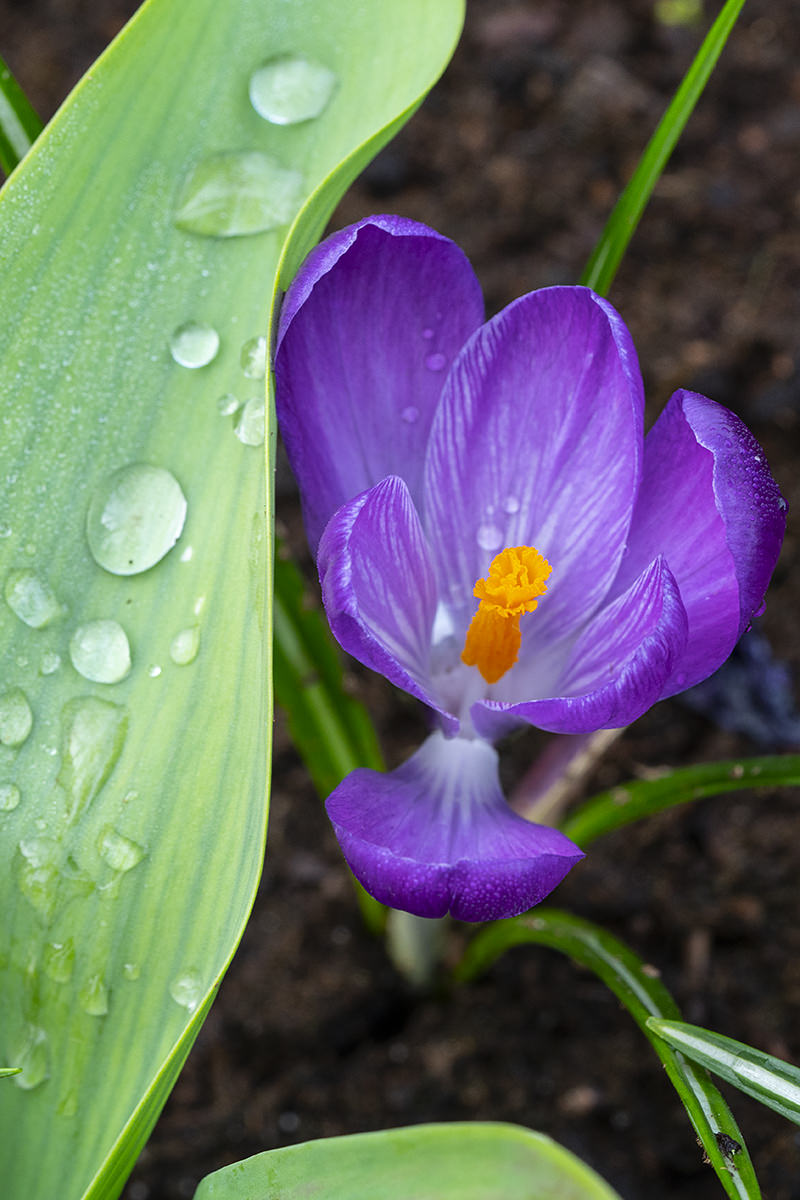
627,212
481,1161
771,1080
19,124
644,996
642,798
133,805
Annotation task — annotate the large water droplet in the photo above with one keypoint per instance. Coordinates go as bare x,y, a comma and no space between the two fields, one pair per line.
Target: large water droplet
93,734
100,652
10,797
410,414
59,960
31,598
254,358
489,537
31,1053
134,518
291,89
93,996
120,852
194,345
249,428
16,718
184,647
187,990
239,193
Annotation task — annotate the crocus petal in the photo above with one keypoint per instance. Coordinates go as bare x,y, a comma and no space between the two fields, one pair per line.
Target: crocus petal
709,504
537,442
378,587
436,835
616,668
368,330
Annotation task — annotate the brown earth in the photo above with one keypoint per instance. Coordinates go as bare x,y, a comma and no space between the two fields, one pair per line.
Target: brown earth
518,154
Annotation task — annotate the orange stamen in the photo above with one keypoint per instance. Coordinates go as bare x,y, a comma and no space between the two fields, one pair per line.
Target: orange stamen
517,577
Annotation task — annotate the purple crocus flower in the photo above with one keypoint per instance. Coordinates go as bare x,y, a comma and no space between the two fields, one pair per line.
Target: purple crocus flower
496,536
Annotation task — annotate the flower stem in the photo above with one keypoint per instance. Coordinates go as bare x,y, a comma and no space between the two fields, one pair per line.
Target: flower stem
415,945
559,773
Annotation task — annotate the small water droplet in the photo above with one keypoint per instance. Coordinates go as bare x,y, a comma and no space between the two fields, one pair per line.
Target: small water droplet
254,358
50,663
93,734
59,960
5,530
100,652
410,414
228,404
435,362
184,647
427,334
511,505
135,517
10,797
16,718
239,193
489,537
131,970
120,852
31,1053
249,429
93,996
154,671
31,598
187,990
291,89
194,345
39,874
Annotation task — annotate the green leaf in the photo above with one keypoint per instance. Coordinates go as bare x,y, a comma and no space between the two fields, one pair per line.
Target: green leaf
638,987
19,124
639,798
621,225
480,1161
132,813
771,1080
6,1071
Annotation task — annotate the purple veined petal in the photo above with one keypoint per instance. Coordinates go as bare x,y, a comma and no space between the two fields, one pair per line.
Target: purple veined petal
379,588
436,835
537,442
709,504
616,668
368,331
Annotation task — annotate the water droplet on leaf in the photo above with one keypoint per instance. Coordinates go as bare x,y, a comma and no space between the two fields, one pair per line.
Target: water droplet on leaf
93,997
131,971
100,652
249,428
184,647
187,990
50,663
16,718
227,404
31,598
254,358
120,852
194,345
135,517
10,797
239,193
31,1053
93,734
59,960
291,89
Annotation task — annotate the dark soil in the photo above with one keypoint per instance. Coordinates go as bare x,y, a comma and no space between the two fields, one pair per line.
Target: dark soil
518,154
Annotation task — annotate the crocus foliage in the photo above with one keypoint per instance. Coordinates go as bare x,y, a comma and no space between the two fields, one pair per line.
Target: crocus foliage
495,535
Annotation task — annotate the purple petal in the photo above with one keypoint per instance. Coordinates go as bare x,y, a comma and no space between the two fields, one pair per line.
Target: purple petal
709,504
368,331
616,669
537,442
379,589
436,835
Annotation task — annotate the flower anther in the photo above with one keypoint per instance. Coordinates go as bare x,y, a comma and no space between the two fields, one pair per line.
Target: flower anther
517,577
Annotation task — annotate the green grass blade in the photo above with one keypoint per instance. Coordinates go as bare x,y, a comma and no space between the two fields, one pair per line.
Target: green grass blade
476,1161
640,798
133,814
771,1080
19,124
621,225
644,996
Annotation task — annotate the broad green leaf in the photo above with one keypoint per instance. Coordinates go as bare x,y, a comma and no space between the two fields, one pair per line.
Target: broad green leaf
481,1161
771,1080
638,987
19,124
641,798
132,813
621,225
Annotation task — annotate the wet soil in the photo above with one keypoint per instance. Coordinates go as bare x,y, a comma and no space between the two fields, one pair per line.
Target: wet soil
518,154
